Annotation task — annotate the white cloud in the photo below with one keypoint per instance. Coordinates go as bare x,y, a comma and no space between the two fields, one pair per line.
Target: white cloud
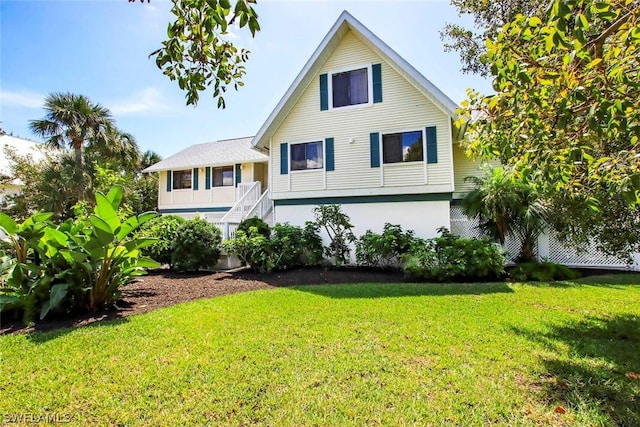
21,99
148,100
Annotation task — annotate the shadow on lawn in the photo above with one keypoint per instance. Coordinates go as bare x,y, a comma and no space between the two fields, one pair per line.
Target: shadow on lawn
390,290
594,366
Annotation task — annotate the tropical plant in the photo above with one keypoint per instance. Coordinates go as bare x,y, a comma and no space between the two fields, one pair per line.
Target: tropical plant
542,272
165,230
504,206
81,263
286,247
247,223
74,121
196,246
386,249
563,114
454,258
338,226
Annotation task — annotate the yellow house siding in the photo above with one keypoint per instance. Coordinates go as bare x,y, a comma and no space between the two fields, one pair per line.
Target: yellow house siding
403,108
463,167
400,174
307,180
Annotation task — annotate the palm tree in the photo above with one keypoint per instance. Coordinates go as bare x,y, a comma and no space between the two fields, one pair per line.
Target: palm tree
74,121
504,207
149,158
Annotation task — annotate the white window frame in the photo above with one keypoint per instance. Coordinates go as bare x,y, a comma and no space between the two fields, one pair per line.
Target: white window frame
310,141
173,180
424,147
343,70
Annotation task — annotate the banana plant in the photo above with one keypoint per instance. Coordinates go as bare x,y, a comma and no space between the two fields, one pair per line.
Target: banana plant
81,263
103,254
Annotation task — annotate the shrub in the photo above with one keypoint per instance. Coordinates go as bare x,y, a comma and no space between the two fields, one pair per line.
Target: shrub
338,226
80,264
165,230
262,227
288,246
197,246
542,272
386,249
453,258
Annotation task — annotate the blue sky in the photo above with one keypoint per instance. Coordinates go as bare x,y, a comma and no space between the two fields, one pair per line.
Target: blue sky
100,49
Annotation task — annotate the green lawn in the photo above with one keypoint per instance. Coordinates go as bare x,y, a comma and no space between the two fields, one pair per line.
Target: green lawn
361,354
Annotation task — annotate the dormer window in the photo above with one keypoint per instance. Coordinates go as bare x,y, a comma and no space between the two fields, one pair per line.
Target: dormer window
350,87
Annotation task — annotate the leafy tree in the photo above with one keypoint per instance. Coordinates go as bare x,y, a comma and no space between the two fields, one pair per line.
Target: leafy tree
74,121
338,226
565,110
198,52
505,207
149,158
488,18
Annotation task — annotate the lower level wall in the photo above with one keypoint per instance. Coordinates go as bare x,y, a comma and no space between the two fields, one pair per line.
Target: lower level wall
424,217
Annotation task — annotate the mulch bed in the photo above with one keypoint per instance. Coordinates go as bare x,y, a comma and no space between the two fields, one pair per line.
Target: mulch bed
163,288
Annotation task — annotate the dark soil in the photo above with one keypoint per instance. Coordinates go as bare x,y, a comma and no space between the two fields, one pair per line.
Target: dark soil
163,288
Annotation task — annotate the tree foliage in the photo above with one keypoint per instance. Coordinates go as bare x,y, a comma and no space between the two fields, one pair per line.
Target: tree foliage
488,19
198,52
564,115
73,121
505,206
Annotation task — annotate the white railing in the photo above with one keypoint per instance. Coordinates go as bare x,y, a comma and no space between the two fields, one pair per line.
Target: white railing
251,195
243,188
228,229
263,206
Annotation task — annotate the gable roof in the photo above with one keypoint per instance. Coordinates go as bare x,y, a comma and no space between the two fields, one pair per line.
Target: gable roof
345,23
217,153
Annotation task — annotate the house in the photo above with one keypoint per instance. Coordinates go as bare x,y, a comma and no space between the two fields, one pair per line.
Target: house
220,181
359,127
21,147
362,128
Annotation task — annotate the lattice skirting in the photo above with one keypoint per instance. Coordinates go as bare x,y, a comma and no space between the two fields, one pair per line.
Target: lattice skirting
549,248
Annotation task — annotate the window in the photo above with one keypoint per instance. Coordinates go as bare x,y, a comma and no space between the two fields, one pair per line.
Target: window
223,177
181,180
306,156
402,147
350,88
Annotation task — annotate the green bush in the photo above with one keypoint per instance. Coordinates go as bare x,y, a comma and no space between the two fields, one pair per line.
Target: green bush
165,230
542,272
453,258
288,246
197,246
386,249
81,263
263,227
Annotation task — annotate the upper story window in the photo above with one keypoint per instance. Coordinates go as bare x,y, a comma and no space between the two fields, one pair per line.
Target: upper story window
223,177
402,147
182,179
306,156
350,87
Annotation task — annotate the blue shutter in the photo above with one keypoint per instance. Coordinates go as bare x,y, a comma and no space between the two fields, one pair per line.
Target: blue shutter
238,174
195,179
374,142
169,181
324,93
376,71
207,178
432,145
284,158
328,144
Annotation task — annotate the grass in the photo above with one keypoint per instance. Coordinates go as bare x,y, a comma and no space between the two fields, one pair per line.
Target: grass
362,354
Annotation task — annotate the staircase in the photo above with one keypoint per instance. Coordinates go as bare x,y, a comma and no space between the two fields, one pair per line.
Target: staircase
251,203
